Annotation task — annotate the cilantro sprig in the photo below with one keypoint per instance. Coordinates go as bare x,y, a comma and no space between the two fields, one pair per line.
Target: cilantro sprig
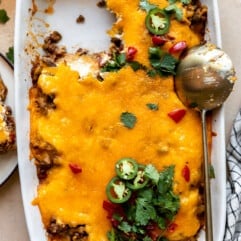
128,119
155,204
3,16
162,63
10,54
145,5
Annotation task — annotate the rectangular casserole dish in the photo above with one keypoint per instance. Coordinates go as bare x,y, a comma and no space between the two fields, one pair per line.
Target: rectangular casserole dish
30,29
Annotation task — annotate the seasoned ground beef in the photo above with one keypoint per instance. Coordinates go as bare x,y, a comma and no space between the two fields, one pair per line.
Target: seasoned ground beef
45,156
7,129
43,102
65,232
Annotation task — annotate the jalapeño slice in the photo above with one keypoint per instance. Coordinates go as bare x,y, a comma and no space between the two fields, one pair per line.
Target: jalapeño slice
126,168
157,21
117,191
140,181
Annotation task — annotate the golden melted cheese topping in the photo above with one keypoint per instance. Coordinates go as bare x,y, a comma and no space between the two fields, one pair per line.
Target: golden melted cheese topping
86,130
3,133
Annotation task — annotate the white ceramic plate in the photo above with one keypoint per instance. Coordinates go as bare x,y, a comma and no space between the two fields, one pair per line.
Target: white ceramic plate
91,35
8,161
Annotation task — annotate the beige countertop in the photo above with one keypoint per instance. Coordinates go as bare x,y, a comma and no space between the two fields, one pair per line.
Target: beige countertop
12,222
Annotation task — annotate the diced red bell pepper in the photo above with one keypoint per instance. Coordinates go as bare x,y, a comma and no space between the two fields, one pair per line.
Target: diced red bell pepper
186,173
177,114
153,231
131,52
178,47
75,168
158,40
172,227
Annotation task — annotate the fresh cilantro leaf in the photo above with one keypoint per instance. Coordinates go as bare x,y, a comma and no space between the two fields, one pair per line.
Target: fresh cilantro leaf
211,171
125,227
152,72
172,1
152,106
136,65
3,16
128,119
152,173
186,1
169,203
176,10
147,193
10,54
115,63
165,180
155,53
161,222
163,63
168,64
111,235
145,5
121,59
144,211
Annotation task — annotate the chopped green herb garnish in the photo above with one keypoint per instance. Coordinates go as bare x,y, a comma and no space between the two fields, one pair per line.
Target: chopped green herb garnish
152,106
117,61
168,64
211,171
152,204
163,63
185,2
3,16
136,65
128,119
145,5
173,8
10,54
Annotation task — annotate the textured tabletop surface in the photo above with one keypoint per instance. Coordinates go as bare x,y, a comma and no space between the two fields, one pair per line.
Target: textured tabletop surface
12,222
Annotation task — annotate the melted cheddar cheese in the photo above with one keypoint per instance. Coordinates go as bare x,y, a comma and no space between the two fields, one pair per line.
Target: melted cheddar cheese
86,130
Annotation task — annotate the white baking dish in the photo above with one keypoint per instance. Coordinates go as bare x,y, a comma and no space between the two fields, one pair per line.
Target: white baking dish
29,30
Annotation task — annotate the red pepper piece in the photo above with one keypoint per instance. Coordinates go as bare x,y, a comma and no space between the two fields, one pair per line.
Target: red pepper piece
154,231
172,227
178,47
186,173
112,210
158,40
177,114
131,52
75,168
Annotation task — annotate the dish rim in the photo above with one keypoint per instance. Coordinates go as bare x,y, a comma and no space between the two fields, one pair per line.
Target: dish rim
218,119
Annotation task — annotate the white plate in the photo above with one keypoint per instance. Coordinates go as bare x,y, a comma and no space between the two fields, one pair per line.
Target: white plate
8,161
91,35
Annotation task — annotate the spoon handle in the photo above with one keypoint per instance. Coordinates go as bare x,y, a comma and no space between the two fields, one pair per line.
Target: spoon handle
207,192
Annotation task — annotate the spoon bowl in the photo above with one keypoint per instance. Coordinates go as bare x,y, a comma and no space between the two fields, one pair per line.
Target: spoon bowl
204,79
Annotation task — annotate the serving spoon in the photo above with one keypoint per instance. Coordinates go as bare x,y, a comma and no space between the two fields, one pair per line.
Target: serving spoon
205,78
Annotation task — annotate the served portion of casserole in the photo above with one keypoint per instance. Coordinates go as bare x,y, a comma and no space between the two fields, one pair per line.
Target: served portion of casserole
7,125
89,112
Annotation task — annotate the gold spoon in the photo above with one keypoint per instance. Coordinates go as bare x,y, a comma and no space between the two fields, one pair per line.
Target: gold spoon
205,78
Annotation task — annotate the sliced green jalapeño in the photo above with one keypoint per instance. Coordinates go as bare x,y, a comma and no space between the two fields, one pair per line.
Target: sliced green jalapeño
126,168
157,21
117,191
